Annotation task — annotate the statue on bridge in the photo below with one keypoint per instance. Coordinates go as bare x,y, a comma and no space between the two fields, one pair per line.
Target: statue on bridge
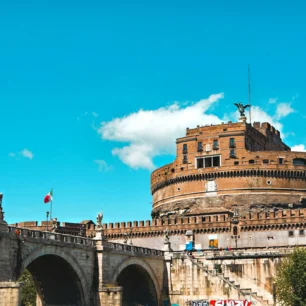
54,224
126,237
241,108
99,220
166,235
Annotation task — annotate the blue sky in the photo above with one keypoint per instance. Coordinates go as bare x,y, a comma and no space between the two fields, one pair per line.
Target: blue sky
94,93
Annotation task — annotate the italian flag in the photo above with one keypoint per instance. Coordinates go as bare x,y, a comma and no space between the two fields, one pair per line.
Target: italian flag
48,197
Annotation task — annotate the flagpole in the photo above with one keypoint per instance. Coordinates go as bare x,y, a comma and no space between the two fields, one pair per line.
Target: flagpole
51,210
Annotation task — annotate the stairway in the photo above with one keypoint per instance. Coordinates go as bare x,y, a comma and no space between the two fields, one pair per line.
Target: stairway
249,290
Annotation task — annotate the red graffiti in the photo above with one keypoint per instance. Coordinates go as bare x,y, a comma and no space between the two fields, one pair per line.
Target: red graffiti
230,303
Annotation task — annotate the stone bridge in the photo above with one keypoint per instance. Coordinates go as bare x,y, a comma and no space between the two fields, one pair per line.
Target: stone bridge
71,270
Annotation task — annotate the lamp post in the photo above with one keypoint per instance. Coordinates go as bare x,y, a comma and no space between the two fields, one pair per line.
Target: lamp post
47,215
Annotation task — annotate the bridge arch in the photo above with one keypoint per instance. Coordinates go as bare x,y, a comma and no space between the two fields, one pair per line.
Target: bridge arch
68,287
136,267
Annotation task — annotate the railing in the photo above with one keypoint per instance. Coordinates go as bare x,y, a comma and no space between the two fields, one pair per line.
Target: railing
34,234
134,249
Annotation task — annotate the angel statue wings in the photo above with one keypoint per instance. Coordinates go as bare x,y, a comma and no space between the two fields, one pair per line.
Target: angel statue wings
241,108
99,219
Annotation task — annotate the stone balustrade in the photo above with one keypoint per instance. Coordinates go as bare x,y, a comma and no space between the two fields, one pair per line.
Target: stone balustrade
44,236
134,249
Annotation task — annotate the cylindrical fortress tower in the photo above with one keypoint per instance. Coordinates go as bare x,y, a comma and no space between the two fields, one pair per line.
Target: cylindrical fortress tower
234,164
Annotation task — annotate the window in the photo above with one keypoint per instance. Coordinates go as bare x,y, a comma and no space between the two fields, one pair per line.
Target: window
209,162
207,148
236,268
301,232
299,162
185,159
215,145
280,160
200,163
265,161
232,143
185,149
235,231
236,163
251,161
200,146
232,153
291,234
216,161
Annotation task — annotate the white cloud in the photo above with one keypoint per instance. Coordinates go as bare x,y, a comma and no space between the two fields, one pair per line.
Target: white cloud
153,132
27,154
273,100
102,165
299,148
283,110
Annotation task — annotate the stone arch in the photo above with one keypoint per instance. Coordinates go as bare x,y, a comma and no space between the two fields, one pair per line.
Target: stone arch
49,250
142,263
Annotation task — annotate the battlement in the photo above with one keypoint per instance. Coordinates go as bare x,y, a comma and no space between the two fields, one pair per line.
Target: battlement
214,223
208,222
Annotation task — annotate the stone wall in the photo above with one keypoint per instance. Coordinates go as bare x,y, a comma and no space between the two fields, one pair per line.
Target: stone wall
10,293
209,276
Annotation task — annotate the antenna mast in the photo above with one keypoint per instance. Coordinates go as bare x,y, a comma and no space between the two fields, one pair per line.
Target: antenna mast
249,91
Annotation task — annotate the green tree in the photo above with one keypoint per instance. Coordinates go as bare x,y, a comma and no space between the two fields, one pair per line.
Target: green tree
290,280
28,293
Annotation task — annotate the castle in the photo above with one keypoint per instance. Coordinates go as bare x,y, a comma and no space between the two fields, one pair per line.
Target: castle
234,189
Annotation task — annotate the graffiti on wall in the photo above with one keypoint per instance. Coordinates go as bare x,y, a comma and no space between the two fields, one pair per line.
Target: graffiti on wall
222,303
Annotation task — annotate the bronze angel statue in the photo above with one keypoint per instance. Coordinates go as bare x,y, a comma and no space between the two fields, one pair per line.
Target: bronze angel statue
241,108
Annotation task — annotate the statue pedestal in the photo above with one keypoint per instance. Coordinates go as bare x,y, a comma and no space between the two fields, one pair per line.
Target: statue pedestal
167,246
3,226
243,118
100,234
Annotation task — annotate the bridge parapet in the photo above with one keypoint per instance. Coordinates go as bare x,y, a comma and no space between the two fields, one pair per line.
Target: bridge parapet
50,237
138,251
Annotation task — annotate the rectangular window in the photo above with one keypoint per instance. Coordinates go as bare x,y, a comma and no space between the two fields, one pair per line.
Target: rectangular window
200,163
280,161
301,232
232,153
291,233
185,159
185,148
209,162
200,146
232,142
216,161
216,145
